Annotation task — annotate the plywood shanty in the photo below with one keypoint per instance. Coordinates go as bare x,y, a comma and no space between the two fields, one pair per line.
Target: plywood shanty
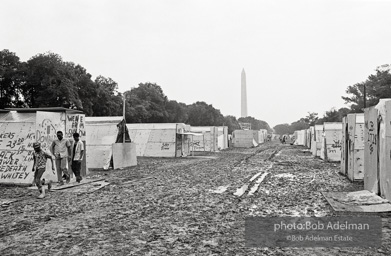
318,139
313,141
371,138
242,138
333,138
222,137
344,147
18,132
160,139
352,163
384,135
210,139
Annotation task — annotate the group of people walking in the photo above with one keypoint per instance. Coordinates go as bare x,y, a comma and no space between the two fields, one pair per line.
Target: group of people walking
62,152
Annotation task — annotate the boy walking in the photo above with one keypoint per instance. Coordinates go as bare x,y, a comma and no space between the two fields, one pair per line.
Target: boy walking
40,157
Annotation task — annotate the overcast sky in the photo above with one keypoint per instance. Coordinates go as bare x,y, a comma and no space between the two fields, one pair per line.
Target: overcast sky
299,56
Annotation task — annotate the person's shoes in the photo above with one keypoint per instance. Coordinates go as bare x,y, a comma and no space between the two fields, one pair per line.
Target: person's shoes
78,179
68,179
42,195
61,183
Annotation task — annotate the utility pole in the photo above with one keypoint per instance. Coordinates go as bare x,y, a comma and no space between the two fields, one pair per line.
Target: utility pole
124,128
365,96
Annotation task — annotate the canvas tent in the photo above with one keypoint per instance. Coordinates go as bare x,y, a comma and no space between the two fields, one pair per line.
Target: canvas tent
161,139
19,129
377,149
352,161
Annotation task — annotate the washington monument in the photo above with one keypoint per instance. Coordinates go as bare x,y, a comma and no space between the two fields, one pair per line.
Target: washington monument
244,95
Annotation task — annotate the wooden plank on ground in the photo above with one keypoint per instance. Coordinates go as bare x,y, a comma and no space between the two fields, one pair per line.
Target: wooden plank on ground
358,201
240,191
257,184
74,184
87,187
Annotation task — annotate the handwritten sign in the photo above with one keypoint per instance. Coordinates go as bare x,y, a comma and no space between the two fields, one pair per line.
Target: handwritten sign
75,123
16,152
47,126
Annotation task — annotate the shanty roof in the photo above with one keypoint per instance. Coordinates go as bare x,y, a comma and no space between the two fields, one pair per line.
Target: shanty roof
53,109
103,119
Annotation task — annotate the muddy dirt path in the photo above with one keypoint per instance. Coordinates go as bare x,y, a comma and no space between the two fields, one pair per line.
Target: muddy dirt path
184,206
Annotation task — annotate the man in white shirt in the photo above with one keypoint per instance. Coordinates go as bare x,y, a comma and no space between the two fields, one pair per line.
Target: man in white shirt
61,149
77,156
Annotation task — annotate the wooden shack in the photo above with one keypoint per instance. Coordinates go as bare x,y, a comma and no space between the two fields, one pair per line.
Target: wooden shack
377,148
352,153
21,127
244,138
331,148
317,140
161,139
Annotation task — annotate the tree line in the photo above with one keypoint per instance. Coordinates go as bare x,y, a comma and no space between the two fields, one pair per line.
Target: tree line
360,95
46,80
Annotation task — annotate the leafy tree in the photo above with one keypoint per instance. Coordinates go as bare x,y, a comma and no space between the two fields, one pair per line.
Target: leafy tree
298,125
50,82
202,114
310,119
377,86
232,123
177,112
147,104
108,101
12,73
334,115
255,123
282,129
87,90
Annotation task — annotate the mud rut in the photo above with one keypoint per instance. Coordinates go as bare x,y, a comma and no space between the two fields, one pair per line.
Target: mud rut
185,206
